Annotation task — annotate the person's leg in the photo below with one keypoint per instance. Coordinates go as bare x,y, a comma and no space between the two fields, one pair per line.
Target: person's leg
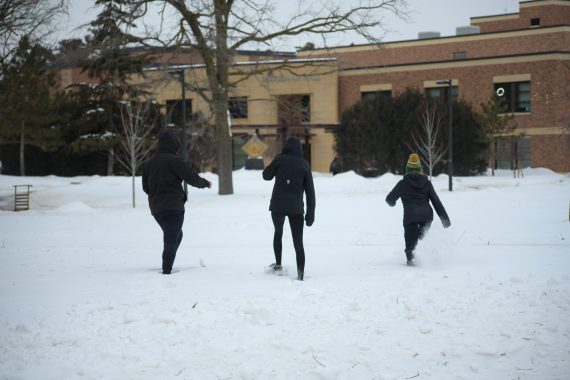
423,229
171,224
278,220
411,235
296,222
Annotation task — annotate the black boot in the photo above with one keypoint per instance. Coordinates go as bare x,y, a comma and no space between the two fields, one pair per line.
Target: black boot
300,276
410,257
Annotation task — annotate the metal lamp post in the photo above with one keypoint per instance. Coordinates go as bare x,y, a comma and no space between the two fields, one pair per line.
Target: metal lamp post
450,130
180,73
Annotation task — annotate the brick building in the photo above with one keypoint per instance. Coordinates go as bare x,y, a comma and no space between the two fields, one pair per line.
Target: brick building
524,56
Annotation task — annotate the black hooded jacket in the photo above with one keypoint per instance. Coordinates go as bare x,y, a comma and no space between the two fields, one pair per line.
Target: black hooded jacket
292,177
416,192
163,174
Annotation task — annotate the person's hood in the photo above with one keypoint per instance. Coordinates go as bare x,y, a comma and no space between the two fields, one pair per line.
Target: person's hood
293,146
168,142
416,180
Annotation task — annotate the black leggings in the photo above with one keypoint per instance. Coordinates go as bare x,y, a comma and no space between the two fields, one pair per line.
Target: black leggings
171,225
413,232
296,224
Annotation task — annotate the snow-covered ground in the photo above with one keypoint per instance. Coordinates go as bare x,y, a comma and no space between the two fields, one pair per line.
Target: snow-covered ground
82,298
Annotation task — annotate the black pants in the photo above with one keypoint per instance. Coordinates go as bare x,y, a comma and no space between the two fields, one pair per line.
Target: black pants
413,232
296,223
171,224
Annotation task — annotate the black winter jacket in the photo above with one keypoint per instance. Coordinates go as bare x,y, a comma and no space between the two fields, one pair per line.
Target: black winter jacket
416,192
292,177
163,174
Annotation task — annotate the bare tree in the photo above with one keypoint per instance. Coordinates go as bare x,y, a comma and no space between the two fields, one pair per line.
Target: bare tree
138,121
32,18
427,142
216,29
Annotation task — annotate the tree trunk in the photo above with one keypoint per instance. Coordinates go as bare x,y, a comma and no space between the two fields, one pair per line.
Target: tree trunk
133,168
22,157
493,154
219,87
110,161
224,149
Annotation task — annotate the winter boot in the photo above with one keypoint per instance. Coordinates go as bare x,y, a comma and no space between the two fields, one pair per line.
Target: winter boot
276,267
409,254
300,276
410,263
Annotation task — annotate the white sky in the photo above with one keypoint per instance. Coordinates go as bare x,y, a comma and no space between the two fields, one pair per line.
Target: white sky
424,15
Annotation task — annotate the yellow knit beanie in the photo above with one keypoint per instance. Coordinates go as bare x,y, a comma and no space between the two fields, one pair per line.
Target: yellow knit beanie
413,164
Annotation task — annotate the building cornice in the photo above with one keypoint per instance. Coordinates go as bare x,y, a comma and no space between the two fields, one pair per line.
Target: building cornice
450,64
540,3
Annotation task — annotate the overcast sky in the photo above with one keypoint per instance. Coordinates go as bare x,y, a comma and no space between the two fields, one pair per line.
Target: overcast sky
424,15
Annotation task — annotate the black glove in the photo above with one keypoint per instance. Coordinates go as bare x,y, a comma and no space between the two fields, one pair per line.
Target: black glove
446,223
309,220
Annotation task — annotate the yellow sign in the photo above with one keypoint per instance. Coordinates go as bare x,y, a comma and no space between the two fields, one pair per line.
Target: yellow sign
254,147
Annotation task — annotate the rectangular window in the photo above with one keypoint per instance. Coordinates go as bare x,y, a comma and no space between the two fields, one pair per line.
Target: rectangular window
306,108
384,94
440,93
535,22
238,107
459,55
174,111
515,96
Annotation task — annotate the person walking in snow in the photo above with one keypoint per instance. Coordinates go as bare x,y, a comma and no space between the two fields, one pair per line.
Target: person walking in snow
416,192
162,180
293,177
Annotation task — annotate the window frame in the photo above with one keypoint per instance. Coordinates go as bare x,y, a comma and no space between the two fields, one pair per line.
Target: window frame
512,96
238,107
174,110
385,94
442,96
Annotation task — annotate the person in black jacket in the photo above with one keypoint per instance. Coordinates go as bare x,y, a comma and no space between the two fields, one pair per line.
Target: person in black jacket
162,180
416,192
293,177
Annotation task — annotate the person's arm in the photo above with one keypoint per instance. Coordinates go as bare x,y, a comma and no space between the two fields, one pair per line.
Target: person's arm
271,169
310,194
438,207
394,195
190,176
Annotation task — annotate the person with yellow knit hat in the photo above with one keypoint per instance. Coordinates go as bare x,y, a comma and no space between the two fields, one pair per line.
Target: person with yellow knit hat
416,192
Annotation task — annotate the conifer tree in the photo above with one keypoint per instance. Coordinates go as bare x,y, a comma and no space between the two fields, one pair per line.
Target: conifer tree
27,102
111,62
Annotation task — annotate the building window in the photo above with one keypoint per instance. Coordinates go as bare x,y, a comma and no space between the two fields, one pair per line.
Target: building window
238,107
369,95
306,108
459,55
535,21
174,111
515,96
440,93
